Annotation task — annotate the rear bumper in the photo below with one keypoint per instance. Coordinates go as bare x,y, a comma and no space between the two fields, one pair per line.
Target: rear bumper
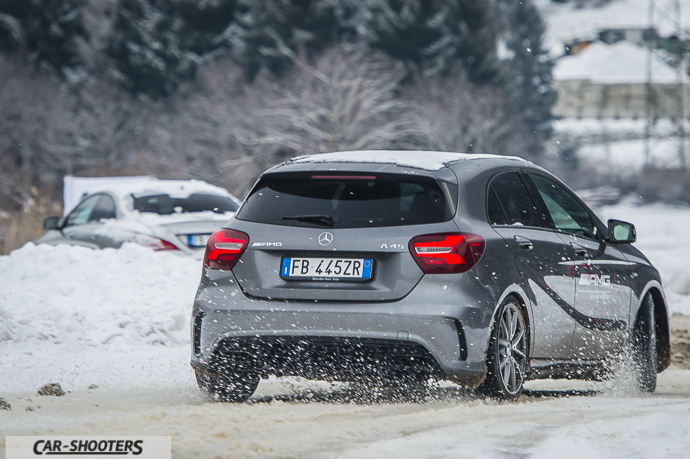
444,318
325,358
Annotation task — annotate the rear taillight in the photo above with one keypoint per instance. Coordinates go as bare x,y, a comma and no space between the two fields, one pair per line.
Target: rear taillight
153,242
447,253
224,248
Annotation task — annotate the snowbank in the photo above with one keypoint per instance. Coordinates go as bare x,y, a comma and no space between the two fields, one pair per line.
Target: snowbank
117,318
62,293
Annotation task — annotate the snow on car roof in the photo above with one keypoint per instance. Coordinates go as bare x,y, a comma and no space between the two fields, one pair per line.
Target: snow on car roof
426,160
174,188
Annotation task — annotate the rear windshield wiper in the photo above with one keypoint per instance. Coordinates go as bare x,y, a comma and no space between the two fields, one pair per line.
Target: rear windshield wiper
325,220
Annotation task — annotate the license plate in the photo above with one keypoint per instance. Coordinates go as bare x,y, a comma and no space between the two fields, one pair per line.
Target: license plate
325,269
197,240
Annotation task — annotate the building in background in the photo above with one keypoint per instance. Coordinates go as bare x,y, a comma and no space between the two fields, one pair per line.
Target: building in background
642,36
611,81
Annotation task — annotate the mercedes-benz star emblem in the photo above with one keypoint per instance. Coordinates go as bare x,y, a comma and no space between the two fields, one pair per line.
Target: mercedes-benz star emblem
325,238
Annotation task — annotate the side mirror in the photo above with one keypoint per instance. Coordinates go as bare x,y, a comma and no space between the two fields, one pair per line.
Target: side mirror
622,232
51,223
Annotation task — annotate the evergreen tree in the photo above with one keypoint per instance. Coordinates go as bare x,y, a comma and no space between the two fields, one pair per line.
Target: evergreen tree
529,71
12,15
415,32
478,30
47,28
157,44
429,36
269,33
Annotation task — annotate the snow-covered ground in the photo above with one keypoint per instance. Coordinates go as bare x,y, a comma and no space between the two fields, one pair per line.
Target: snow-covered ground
119,320
569,427
619,148
113,318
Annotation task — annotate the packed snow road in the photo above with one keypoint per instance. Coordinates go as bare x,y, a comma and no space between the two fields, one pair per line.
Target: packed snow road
578,426
112,327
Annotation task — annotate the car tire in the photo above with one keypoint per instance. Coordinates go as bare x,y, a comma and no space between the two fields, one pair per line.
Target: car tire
507,354
643,347
236,388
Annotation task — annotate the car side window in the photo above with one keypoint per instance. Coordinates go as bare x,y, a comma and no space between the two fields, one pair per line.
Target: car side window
511,199
567,213
91,209
82,212
105,208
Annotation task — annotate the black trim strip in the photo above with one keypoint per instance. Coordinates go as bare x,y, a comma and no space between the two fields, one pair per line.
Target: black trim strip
592,323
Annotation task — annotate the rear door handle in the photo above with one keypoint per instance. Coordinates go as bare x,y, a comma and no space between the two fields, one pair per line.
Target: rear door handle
524,242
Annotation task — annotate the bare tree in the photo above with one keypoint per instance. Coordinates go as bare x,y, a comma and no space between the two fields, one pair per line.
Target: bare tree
198,131
456,115
228,131
49,129
108,132
342,101
30,102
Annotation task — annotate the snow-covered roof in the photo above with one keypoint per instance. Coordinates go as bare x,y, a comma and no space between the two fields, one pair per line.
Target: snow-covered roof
174,188
569,21
76,187
425,160
620,63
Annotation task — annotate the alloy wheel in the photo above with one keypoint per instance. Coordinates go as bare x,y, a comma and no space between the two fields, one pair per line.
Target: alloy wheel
512,348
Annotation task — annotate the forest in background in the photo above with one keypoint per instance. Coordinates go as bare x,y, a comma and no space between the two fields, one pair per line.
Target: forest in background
220,90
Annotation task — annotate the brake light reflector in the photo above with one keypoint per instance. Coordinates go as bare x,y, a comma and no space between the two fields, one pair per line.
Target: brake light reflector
153,242
344,177
224,249
447,253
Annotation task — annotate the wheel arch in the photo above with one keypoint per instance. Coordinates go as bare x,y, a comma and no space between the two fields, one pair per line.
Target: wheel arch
661,322
515,292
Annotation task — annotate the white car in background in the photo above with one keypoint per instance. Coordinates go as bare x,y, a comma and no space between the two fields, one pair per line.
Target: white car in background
161,214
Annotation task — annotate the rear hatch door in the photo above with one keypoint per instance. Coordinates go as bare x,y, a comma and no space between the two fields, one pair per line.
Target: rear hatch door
339,236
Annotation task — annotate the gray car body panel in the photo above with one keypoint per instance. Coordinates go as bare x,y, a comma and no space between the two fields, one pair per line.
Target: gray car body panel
406,305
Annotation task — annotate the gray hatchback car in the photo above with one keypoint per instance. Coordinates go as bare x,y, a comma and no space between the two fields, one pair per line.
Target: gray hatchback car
408,266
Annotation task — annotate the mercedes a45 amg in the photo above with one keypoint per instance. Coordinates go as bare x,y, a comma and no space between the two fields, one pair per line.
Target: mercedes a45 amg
483,270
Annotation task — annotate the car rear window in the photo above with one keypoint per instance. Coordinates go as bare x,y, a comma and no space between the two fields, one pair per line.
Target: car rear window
345,200
164,204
